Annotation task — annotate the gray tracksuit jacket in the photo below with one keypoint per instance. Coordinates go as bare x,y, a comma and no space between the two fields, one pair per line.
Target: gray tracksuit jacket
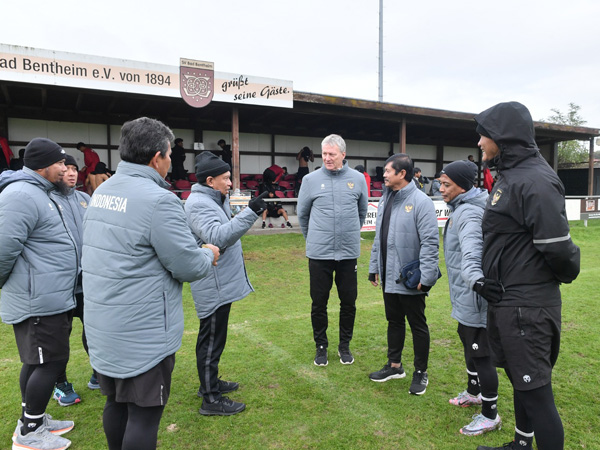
332,206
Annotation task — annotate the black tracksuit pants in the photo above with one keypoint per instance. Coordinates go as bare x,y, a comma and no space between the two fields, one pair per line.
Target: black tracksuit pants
209,347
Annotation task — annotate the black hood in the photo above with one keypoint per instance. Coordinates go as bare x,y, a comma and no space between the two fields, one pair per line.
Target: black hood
511,127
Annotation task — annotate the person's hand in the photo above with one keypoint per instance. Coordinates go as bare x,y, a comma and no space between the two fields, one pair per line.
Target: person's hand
374,279
423,288
257,204
491,290
216,252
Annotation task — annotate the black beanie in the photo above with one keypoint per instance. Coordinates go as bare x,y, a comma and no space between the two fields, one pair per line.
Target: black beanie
209,165
41,153
482,131
462,173
70,161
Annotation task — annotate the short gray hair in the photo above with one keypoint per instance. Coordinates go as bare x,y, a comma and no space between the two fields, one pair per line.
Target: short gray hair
334,140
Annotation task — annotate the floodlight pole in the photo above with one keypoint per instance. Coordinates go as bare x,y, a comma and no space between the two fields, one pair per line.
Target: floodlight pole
380,50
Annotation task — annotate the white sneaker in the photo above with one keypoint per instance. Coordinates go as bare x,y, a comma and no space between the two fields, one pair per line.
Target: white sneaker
56,427
40,439
464,399
480,425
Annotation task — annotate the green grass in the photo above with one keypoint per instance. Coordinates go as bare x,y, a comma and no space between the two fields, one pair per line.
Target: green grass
293,404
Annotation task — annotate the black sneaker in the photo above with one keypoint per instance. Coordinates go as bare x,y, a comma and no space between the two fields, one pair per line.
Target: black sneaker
345,355
222,407
321,356
508,446
289,225
387,373
419,383
225,387
264,225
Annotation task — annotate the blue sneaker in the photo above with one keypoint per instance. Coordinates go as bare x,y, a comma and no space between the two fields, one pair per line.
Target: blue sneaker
66,396
93,383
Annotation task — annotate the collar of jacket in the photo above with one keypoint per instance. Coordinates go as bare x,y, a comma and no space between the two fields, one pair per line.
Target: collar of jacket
464,197
403,192
45,184
511,155
212,193
140,170
336,172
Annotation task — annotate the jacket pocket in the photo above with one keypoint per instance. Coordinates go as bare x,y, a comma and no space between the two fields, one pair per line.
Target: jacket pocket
165,311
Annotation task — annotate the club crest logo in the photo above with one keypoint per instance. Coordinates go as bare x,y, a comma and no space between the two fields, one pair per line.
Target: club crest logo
526,378
408,208
83,203
350,185
475,346
496,197
196,82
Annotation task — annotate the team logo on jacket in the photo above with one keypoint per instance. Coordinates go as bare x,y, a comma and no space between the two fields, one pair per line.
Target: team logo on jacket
408,208
83,203
526,378
196,82
350,185
496,197
475,346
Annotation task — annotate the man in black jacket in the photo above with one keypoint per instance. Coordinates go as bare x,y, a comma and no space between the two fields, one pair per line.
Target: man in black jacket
527,254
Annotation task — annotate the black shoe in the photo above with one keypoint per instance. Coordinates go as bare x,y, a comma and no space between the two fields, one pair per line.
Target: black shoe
264,225
225,387
419,383
289,225
222,407
387,373
508,446
345,355
321,356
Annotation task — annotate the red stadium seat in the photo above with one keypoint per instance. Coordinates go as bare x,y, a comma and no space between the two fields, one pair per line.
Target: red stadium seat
251,184
183,185
192,178
185,195
377,184
376,193
279,194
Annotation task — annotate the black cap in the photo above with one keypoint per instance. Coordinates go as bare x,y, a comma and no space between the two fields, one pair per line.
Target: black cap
462,173
41,153
70,161
209,165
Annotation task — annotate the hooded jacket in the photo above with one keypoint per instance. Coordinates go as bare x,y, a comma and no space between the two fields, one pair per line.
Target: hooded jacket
137,252
38,257
462,251
526,242
413,234
332,206
209,217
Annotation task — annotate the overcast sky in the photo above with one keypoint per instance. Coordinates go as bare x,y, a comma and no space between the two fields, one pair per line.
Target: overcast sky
462,55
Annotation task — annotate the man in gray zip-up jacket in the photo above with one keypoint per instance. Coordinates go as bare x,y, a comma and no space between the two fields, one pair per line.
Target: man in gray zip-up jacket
463,242
38,274
332,206
137,252
406,232
209,217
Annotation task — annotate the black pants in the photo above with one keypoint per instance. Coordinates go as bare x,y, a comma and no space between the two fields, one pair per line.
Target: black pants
209,347
412,307
321,281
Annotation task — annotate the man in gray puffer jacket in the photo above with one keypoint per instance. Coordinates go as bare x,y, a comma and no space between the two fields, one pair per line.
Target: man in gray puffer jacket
137,252
406,234
209,217
463,242
38,274
332,206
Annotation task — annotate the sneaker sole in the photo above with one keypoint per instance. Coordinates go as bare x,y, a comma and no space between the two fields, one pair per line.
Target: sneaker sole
396,376
343,361
67,404
419,393
320,365
16,446
93,387
206,412
477,433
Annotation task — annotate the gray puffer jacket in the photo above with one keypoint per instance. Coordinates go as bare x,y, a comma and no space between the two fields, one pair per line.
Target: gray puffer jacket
38,258
137,252
463,242
413,234
332,206
209,217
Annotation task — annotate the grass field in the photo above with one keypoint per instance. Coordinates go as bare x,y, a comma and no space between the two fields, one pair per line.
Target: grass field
292,404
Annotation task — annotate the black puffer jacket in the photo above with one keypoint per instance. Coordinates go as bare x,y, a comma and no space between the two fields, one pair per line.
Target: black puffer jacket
526,241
